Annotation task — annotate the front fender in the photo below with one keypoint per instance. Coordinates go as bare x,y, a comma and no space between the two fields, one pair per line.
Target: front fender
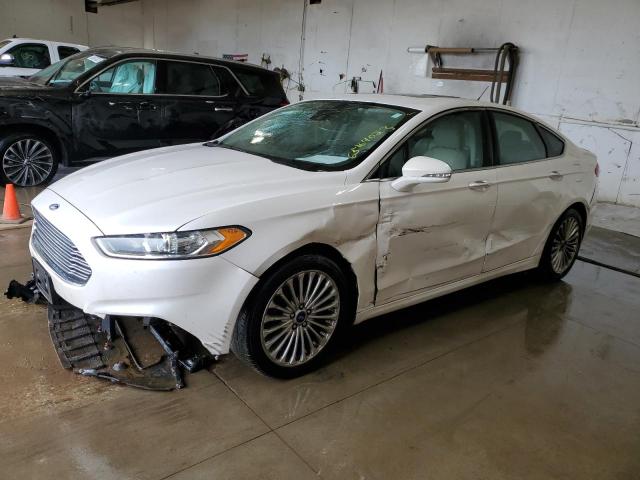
344,218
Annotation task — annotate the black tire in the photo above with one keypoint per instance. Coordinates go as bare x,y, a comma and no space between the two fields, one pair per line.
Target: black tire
44,173
247,342
547,269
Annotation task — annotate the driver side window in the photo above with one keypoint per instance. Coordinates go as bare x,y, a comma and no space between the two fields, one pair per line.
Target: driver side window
135,77
457,139
31,55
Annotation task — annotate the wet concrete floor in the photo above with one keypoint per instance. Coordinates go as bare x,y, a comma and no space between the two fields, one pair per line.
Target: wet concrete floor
511,379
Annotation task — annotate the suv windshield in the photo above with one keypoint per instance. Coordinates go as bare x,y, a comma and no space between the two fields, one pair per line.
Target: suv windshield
319,134
74,66
45,74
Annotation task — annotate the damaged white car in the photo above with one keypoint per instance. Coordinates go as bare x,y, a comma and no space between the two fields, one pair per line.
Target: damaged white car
272,240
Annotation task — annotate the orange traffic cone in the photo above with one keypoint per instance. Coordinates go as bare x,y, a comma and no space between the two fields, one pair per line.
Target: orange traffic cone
11,209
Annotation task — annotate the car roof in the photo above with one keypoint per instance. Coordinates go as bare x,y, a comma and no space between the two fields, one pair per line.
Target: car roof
27,39
111,51
425,103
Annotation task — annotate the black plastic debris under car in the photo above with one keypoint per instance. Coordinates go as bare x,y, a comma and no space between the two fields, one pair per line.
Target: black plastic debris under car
146,353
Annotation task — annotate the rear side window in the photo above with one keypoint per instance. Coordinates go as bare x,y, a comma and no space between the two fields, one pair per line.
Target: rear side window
31,55
260,84
555,146
184,78
518,139
64,52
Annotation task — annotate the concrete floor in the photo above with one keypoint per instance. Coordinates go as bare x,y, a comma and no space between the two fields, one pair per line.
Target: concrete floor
620,218
511,379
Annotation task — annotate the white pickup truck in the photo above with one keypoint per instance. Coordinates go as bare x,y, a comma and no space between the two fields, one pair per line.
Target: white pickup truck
22,57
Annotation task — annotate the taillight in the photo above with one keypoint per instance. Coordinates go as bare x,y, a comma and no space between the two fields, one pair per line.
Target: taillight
284,102
597,170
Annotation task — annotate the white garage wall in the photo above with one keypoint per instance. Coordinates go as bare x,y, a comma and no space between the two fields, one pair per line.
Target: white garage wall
66,21
218,27
579,70
580,59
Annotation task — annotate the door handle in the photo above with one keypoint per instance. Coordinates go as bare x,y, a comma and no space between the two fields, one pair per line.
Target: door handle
555,175
218,109
123,105
147,106
479,185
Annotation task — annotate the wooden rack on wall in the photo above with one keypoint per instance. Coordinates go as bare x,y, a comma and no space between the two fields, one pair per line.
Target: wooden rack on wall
506,55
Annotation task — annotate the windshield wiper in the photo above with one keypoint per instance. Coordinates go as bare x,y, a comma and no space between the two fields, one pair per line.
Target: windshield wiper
218,143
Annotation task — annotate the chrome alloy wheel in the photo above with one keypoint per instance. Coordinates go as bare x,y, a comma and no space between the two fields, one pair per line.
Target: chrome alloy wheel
300,318
27,162
565,244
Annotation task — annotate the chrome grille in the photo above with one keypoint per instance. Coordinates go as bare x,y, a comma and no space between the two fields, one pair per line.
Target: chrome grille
59,251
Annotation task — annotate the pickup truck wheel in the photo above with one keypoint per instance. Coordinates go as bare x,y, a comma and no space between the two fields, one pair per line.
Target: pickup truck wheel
27,160
293,317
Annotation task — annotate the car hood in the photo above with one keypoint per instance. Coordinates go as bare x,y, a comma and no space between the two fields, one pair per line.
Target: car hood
163,189
20,87
14,81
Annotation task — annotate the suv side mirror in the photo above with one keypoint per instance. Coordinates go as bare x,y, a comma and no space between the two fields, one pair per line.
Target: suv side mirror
6,60
420,170
85,92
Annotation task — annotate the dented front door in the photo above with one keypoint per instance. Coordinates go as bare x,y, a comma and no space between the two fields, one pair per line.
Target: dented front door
434,234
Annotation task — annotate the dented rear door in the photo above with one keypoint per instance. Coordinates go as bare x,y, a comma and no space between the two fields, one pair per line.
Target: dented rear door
532,191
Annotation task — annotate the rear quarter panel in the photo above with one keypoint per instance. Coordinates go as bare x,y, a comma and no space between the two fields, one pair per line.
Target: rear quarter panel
578,166
579,183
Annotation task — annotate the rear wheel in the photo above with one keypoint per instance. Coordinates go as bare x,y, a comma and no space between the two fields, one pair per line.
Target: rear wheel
563,244
294,317
27,160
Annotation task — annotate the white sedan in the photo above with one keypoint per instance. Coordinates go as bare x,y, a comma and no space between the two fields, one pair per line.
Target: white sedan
273,239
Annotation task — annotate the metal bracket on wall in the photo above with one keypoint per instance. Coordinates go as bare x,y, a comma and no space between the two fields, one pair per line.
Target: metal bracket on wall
91,6
507,52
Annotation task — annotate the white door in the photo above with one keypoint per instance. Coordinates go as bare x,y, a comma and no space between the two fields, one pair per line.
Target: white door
28,58
437,232
530,187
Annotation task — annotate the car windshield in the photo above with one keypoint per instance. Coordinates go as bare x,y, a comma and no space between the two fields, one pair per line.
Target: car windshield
4,43
45,74
319,134
75,66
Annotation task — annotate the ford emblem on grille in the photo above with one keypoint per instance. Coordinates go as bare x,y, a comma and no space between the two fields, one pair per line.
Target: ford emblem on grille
54,206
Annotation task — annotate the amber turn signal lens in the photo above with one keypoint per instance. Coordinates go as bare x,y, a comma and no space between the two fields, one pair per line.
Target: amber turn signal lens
231,235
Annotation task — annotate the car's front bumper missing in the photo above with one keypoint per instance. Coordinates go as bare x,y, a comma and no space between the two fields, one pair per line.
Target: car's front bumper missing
201,296
130,354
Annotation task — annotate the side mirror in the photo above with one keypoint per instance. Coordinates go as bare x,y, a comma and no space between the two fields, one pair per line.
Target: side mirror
84,93
420,170
6,60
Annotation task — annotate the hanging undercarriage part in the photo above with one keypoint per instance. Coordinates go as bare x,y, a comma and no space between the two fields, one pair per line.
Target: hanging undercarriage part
147,353
27,293
505,55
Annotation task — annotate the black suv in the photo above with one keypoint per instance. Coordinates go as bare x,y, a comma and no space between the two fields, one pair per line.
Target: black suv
111,101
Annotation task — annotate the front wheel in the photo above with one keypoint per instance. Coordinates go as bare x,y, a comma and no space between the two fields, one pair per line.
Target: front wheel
293,318
27,160
563,244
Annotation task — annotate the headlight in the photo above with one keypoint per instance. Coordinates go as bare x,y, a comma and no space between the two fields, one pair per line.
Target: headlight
173,245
